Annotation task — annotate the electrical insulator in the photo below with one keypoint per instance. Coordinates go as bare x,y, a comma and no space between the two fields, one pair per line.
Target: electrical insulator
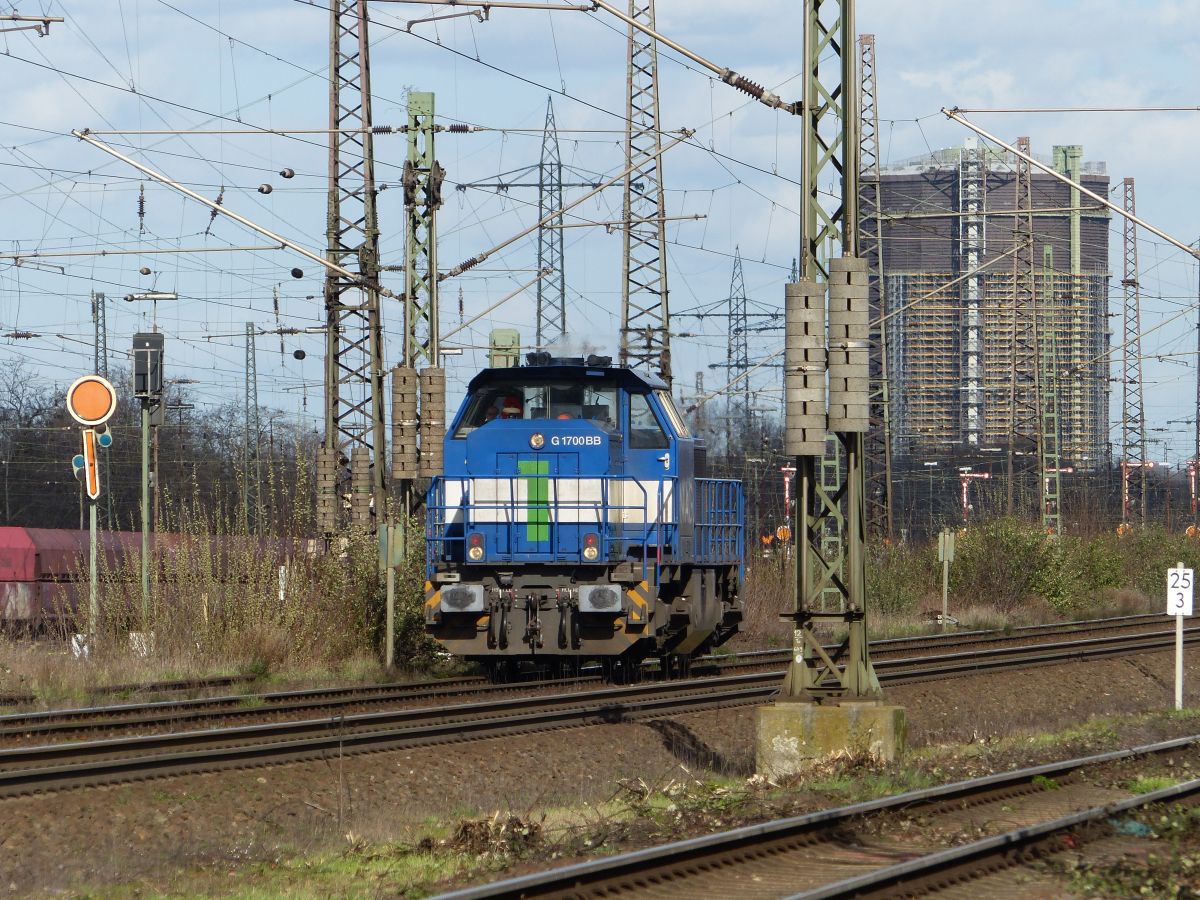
434,191
409,182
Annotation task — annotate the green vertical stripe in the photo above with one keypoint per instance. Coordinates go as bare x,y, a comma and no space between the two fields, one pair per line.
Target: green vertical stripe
537,528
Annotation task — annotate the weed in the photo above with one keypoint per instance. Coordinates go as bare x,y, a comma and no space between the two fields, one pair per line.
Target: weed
507,835
1170,868
1148,784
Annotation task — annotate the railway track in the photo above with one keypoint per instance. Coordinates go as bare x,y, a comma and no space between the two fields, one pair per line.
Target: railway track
870,849
26,770
152,687
962,639
214,711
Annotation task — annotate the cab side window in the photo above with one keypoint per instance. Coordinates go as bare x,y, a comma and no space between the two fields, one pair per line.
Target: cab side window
645,432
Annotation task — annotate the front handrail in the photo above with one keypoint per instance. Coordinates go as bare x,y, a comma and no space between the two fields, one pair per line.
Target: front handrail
601,513
718,515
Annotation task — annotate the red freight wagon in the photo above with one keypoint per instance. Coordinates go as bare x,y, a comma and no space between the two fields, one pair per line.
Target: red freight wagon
44,570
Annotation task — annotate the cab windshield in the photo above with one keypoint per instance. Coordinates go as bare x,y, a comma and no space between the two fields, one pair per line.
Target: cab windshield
541,400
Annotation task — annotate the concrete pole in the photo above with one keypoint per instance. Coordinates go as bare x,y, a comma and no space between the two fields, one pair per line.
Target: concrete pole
93,587
145,515
389,652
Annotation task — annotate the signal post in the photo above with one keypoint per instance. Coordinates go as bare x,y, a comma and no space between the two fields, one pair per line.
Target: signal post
91,401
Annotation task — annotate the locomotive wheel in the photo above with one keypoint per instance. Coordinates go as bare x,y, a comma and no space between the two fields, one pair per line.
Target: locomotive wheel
622,671
564,667
674,665
498,671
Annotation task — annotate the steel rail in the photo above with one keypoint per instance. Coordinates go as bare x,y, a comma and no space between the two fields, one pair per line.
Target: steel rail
50,724
680,860
958,638
149,687
47,767
167,712
57,766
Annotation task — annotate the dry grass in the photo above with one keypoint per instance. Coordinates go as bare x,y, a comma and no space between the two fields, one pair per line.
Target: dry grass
218,605
1007,574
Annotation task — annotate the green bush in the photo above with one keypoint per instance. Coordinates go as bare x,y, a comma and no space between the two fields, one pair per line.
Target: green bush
1011,565
1006,563
900,576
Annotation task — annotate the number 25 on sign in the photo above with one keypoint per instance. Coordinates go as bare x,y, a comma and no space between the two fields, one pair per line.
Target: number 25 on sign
1180,586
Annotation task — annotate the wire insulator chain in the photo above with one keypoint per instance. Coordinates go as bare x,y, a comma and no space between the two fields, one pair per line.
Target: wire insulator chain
760,93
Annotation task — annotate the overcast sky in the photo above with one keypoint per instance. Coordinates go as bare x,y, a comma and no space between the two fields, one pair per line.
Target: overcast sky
127,65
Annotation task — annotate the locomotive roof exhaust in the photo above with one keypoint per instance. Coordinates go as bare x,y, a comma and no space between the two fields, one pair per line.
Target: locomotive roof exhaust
544,358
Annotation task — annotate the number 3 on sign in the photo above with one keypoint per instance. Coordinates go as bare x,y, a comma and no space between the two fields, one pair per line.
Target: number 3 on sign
1180,583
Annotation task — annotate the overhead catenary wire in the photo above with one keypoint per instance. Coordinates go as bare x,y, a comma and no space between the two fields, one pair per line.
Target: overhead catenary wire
225,211
1075,109
956,116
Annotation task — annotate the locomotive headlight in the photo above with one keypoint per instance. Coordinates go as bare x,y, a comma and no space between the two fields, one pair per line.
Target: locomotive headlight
475,547
537,441
591,547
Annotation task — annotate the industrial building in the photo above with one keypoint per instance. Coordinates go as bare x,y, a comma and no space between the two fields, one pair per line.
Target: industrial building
949,287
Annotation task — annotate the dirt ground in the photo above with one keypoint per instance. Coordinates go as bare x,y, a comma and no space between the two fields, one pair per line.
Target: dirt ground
144,834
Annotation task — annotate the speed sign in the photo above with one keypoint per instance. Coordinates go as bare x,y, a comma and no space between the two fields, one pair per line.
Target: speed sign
1180,584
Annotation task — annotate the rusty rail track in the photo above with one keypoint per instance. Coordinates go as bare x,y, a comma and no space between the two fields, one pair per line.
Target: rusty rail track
25,770
226,710
811,856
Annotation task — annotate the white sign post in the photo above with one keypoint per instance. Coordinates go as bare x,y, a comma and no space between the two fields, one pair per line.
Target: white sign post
945,557
1180,585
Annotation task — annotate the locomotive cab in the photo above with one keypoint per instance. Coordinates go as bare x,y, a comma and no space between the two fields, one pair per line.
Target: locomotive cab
574,522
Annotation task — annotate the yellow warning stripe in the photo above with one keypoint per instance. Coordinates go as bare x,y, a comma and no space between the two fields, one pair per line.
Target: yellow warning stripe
639,602
433,595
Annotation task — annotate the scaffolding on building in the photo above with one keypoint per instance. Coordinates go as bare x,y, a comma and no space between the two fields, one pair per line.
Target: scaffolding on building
963,356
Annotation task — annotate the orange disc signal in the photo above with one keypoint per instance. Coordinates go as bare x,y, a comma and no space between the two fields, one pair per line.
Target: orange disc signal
783,533
91,400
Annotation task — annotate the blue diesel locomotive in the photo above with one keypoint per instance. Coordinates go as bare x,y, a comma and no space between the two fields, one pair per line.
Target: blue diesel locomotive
575,522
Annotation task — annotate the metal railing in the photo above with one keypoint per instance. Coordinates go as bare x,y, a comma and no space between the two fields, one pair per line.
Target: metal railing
719,518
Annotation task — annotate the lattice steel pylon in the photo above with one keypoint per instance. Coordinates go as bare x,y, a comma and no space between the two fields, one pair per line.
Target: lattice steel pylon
870,239
1050,436
1023,395
100,363
552,288
645,312
738,351
354,391
972,237
100,323
1133,411
829,145
1195,464
251,490
423,178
